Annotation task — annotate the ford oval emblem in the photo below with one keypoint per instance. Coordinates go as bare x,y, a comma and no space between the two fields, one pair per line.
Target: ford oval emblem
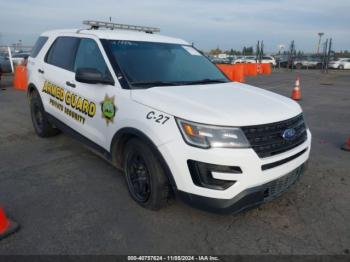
289,134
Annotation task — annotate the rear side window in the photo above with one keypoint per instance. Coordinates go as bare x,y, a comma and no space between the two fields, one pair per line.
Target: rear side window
38,46
62,52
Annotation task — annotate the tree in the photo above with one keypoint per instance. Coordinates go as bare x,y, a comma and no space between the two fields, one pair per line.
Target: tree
230,52
215,51
248,50
300,53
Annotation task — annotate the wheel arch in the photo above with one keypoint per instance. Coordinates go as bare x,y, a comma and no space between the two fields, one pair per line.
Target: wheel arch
31,89
119,142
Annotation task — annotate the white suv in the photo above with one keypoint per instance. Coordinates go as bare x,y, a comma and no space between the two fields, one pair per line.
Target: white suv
245,59
159,110
269,60
340,63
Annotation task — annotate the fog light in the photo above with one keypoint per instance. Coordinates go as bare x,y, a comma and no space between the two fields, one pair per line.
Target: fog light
202,174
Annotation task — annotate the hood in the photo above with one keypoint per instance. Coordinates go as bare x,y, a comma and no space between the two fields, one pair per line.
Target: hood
227,104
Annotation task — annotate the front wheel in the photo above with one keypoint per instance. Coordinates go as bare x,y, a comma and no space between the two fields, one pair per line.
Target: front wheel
145,177
341,67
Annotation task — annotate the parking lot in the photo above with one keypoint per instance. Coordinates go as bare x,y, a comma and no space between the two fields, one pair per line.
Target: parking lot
70,201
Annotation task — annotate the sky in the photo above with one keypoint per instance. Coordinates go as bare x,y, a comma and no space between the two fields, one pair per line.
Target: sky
208,23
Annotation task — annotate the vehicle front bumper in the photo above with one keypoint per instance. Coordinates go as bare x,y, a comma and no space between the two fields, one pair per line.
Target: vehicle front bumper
248,198
247,185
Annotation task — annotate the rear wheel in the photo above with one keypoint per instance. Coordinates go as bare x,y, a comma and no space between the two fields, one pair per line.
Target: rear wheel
41,125
298,66
147,183
341,67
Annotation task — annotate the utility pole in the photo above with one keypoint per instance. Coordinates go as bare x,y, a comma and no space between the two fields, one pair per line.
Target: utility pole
291,55
320,34
324,55
259,51
329,52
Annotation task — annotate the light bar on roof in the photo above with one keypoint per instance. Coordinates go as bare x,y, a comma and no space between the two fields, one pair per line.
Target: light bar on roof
109,25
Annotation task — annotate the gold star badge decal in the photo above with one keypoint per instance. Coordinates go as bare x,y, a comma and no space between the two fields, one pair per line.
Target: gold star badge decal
108,109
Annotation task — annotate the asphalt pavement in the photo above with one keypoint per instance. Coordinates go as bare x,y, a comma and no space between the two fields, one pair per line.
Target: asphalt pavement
70,201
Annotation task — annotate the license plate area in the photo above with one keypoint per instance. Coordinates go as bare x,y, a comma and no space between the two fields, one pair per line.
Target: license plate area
276,187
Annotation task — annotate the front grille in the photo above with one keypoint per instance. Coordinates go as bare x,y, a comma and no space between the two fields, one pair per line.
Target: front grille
267,140
276,187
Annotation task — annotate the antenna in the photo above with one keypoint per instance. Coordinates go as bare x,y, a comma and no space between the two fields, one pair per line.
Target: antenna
98,24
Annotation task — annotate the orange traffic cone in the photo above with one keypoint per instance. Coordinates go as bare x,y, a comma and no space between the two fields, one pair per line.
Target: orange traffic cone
346,147
259,68
296,94
7,226
20,78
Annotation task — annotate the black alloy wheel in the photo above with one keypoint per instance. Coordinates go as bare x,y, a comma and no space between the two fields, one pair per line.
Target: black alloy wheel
138,177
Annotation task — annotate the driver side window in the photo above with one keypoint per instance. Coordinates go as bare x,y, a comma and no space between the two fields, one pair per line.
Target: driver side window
89,56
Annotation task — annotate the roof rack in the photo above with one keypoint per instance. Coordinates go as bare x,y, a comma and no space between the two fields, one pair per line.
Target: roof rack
109,25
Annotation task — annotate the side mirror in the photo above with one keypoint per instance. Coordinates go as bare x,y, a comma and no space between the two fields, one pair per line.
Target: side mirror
92,76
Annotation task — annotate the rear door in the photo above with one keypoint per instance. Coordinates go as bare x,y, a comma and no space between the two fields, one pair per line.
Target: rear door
58,74
35,62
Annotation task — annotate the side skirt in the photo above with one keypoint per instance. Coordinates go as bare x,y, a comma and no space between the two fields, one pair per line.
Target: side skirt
87,142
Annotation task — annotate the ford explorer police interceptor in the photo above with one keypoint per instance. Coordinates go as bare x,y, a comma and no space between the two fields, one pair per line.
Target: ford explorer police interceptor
158,109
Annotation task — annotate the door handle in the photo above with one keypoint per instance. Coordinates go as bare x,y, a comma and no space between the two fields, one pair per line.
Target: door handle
70,84
40,71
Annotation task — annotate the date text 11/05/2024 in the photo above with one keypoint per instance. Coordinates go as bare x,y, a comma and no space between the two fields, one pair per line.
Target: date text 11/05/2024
173,258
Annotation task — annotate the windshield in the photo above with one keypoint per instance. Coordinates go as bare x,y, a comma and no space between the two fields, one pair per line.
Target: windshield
147,64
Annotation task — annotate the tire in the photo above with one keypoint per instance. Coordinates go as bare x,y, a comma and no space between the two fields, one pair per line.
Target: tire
41,124
299,66
341,67
145,177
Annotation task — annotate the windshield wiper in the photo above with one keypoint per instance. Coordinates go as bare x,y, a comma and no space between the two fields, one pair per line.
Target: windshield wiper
205,81
153,83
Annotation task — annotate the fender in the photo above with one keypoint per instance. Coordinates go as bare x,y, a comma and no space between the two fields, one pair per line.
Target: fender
119,141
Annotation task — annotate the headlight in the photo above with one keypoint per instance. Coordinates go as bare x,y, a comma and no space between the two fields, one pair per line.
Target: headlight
206,136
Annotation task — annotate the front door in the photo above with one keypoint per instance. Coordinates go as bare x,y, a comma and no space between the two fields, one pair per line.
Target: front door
94,104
